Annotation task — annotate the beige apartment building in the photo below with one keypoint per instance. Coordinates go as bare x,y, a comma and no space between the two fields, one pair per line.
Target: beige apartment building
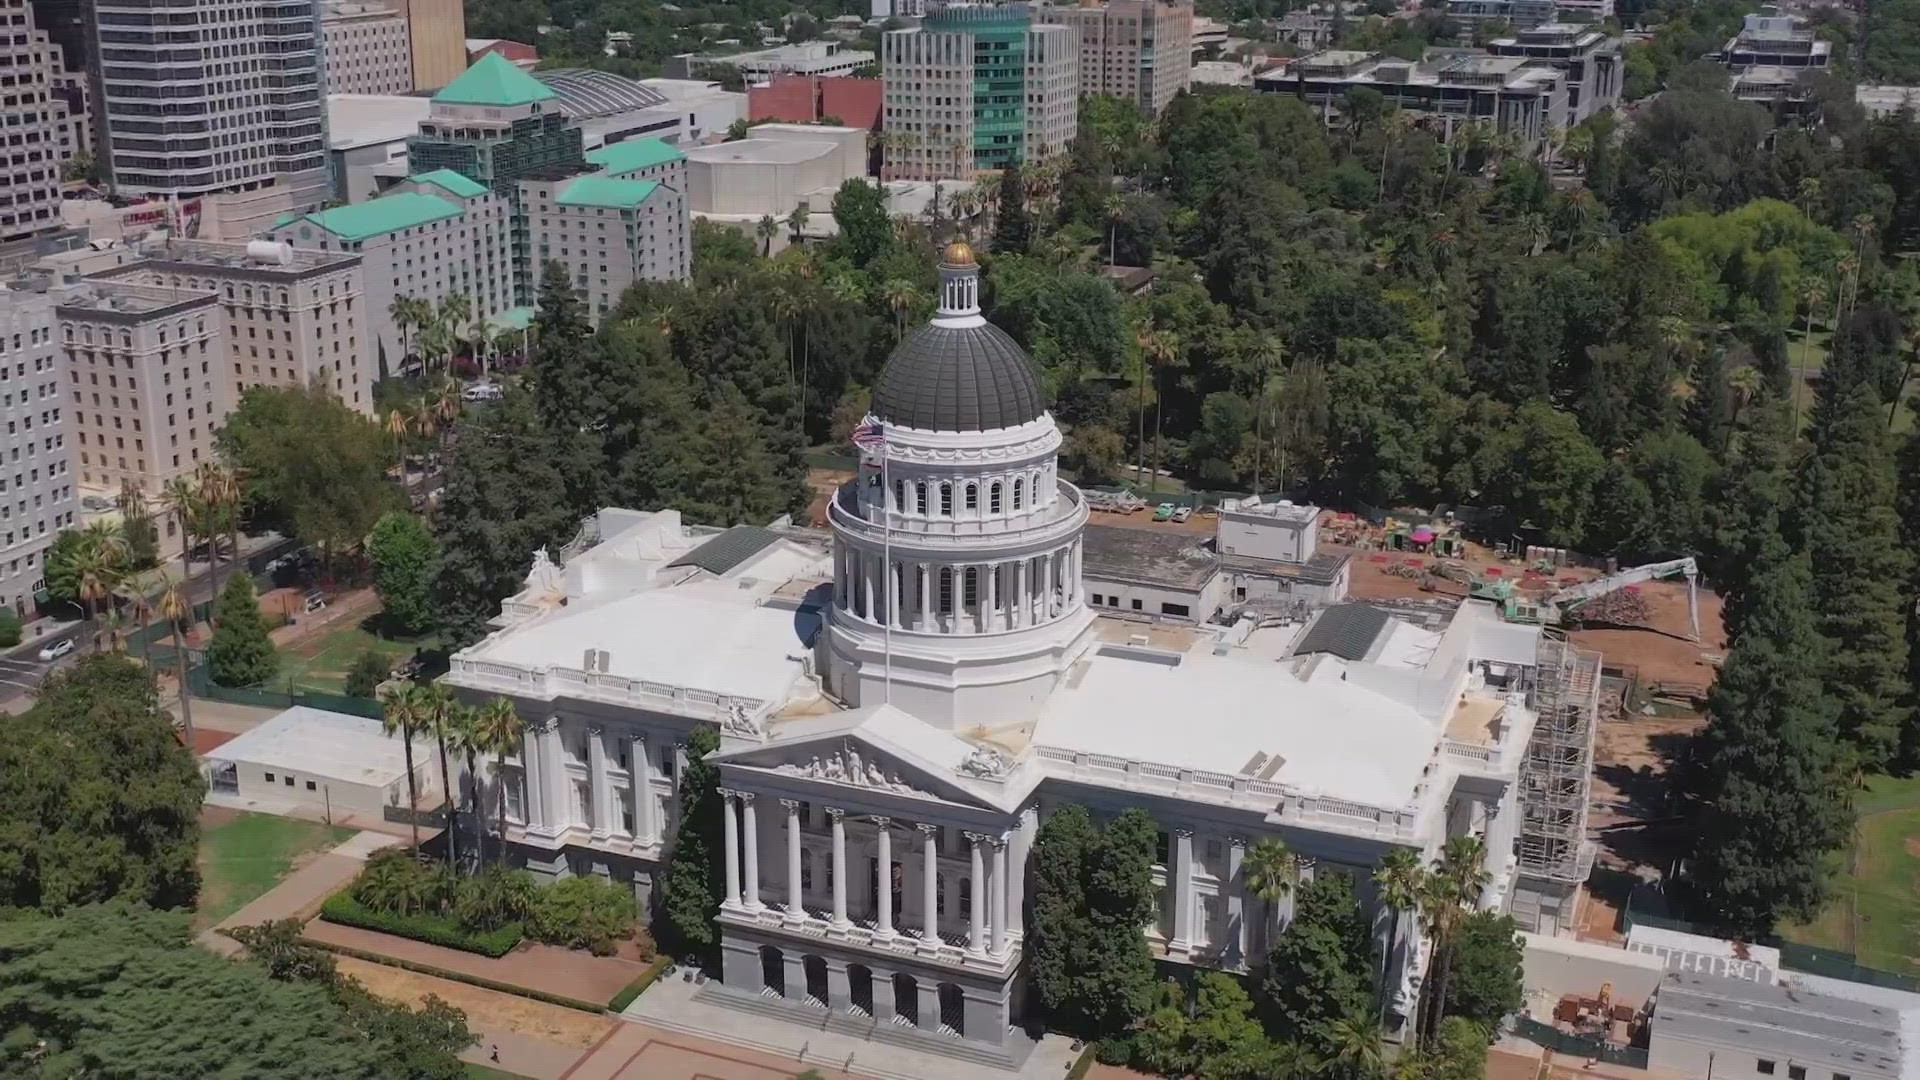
36,461
368,47
1137,50
609,232
437,31
34,117
142,365
292,318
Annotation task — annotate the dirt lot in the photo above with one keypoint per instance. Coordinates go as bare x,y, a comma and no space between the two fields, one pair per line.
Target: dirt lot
484,1008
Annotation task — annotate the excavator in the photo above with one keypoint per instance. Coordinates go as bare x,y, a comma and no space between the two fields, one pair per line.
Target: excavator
1550,610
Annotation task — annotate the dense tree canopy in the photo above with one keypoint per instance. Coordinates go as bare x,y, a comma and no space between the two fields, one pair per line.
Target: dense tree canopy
100,801
314,467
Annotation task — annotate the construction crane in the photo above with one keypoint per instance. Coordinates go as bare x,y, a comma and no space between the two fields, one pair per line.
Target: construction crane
1560,604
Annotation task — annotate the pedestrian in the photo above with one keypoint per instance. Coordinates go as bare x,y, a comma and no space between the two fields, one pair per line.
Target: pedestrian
496,1053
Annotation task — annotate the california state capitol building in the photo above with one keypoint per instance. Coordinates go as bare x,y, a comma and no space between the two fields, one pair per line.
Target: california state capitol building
903,699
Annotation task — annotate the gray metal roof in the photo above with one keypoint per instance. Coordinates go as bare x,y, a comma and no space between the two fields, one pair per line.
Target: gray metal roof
1784,1024
959,379
729,549
586,93
1345,630
1141,557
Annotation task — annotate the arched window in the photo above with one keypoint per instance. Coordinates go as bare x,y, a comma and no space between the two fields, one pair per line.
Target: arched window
1019,493
920,497
993,498
946,590
973,495
946,499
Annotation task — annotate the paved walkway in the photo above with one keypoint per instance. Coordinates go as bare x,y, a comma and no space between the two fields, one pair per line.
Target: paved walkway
300,893
670,1005
636,1051
566,972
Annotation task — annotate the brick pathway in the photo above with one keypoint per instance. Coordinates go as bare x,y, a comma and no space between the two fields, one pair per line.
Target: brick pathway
300,893
566,972
636,1051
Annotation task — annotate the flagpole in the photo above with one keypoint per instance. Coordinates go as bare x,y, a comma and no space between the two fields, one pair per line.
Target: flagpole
886,558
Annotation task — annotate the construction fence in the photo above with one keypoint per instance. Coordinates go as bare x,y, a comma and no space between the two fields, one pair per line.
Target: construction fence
1794,956
267,697
1566,1042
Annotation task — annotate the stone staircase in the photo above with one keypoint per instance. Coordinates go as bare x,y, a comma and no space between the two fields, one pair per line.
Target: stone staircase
1009,1057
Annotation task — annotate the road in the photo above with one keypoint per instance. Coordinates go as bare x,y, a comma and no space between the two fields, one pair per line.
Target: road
21,670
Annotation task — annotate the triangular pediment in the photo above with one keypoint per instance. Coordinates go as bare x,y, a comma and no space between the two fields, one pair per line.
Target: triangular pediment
885,750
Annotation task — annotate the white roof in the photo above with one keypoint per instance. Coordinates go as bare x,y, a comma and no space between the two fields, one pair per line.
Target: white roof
1215,713
365,119
315,742
703,636
762,151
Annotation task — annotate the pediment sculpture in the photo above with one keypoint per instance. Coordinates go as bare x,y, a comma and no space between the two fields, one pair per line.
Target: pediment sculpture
738,721
846,766
987,762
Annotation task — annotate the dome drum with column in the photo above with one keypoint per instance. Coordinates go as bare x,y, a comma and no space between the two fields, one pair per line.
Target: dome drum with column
979,607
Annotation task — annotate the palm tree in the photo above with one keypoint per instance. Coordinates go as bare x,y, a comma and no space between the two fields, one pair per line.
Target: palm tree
456,309
1268,356
177,610
1906,373
210,495
1354,1048
1452,887
179,501
765,230
463,735
498,730
99,566
1745,382
438,717
900,295
1813,293
1162,350
398,424
797,222
1269,872
444,400
436,339
1115,209
1400,879
405,313
142,613
402,710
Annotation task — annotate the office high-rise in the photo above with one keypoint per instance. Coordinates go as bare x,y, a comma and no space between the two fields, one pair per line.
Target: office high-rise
1137,50
977,88
32,114
217,99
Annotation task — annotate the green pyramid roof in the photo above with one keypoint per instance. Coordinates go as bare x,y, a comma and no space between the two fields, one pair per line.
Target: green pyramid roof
494,80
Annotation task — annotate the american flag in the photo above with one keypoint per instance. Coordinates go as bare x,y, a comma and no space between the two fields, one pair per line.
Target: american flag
870,435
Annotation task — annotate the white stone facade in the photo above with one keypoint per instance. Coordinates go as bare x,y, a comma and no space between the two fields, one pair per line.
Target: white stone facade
899,712
367,48
37,497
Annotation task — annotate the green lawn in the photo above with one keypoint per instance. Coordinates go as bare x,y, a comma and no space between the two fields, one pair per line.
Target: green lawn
488,1072
244,857
1875,912
321,663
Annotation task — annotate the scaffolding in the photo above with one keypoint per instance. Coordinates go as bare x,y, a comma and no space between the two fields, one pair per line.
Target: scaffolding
1557,774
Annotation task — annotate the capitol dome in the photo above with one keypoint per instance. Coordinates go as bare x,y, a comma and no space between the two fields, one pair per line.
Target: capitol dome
959,372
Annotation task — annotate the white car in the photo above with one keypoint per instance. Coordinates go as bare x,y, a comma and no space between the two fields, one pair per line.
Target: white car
57,650
1182,514
483,392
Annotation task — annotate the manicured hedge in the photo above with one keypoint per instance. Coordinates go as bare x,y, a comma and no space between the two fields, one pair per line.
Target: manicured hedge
639,986
1080,1067
342,908
457,976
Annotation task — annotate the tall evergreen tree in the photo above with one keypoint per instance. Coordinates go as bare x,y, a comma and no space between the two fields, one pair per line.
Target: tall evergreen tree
1012,224
503,500
405,559
1320,969
738,483
1057,928
1851,529
571,391
1120,898
1768,783
1753,499
240,653
1908,506
690,897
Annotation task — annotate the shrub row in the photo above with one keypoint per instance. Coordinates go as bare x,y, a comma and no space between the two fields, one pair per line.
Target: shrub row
458,976
342,908
639,986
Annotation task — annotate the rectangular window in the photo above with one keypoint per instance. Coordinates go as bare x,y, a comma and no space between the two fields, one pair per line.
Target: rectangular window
1763,1067
269,777
1174,609
1136,604
311,786
289,781
1796,1072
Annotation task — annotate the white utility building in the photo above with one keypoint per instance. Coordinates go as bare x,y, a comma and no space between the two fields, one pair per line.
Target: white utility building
900,705
325,762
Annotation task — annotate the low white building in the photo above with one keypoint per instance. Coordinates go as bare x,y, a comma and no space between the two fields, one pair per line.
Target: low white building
782,166
1737,1029
900,706
323,762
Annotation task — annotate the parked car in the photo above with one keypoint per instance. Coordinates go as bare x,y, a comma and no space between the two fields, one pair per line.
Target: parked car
57,650
1183,513
1163,512
484,391
316,601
